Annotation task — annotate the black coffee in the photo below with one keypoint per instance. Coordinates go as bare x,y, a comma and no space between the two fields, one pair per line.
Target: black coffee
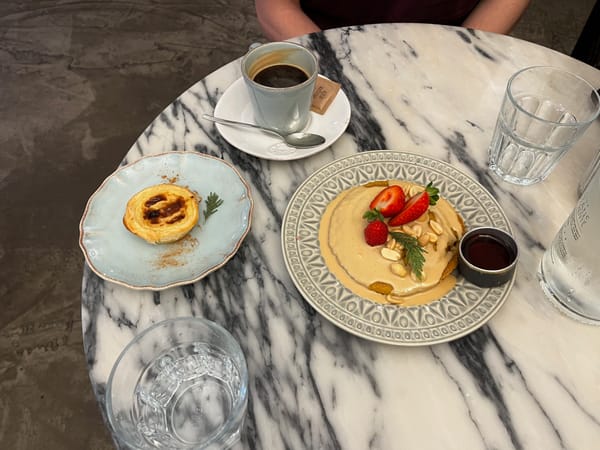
281,76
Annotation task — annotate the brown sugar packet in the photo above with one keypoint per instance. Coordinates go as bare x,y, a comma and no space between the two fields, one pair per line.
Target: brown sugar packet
324,93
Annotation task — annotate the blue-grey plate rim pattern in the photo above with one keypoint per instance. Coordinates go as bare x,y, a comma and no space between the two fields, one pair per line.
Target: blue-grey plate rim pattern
463,310
109,248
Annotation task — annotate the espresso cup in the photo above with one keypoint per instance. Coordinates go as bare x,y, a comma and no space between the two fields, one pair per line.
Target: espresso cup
280,78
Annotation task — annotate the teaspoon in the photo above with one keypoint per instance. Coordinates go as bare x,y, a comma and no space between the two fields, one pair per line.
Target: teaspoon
298,139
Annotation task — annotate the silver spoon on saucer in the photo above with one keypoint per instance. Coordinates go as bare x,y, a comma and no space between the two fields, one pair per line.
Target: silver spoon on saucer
298,139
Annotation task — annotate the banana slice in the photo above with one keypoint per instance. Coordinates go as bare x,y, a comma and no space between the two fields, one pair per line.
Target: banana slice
162,213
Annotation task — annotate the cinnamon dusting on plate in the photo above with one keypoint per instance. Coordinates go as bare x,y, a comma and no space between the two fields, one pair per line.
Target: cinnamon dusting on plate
171,180
175,254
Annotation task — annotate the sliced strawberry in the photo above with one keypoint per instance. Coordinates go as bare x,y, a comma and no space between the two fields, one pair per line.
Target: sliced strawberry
416,206
376,233
389,201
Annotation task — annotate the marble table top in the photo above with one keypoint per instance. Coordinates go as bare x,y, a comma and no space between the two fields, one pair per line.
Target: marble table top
528,378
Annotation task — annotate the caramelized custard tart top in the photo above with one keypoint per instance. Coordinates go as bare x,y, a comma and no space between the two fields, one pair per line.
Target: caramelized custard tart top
162,213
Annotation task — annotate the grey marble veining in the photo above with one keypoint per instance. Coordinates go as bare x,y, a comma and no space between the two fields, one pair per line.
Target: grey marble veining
527,379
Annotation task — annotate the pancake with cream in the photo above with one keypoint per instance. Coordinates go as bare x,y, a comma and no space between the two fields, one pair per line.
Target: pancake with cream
366,269
162,213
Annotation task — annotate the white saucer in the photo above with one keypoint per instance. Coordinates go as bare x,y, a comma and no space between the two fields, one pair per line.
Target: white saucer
235,104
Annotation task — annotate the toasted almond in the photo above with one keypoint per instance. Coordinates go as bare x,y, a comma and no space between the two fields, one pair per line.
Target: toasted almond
407,229
423,239
398,269
389,254
436,227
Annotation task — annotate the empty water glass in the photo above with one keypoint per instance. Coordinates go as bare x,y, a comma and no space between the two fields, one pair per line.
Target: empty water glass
182,383
544,111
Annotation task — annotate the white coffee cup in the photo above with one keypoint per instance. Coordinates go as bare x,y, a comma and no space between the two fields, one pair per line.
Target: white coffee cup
280,78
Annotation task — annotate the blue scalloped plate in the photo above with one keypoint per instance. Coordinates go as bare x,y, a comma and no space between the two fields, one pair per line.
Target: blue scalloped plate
119,256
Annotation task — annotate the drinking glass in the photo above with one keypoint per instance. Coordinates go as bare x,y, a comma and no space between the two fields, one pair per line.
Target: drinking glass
570,268
182,383
544,111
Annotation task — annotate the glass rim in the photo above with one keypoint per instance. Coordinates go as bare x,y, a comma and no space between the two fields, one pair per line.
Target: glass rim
593,94
238,408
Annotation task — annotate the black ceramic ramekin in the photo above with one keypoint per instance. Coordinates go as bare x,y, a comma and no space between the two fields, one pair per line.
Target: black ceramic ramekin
487,256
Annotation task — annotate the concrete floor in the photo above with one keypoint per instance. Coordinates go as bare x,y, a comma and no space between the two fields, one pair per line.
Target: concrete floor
79,81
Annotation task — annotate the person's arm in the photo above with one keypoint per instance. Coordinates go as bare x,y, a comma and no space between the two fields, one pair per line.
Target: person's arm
498,16
283,19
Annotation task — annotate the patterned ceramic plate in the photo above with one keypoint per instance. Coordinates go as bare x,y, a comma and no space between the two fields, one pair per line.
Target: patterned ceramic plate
461,311
117,255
